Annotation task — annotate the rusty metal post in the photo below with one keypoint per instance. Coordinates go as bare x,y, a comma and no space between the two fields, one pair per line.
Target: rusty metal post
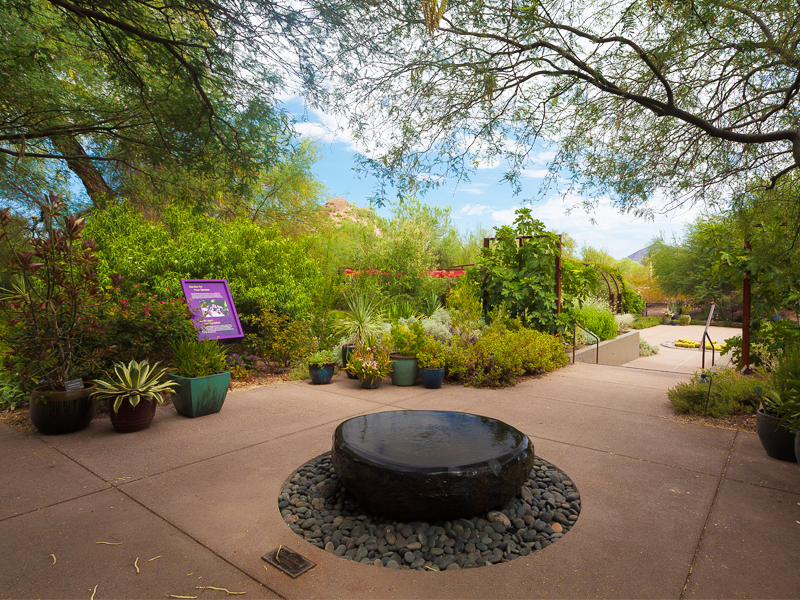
558,277
746,317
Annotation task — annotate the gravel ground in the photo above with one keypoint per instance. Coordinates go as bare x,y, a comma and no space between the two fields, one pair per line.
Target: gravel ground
317,508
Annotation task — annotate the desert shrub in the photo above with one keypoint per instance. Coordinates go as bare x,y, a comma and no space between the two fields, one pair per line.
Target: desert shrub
595,315
645,322
499,356
279,340
624,321
731,393
438,326
241,366
645,349
464,307
408,337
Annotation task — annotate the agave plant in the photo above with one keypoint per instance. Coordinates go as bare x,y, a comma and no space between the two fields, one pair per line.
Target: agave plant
361,318
134,381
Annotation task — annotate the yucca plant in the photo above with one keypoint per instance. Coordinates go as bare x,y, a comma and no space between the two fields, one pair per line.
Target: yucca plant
134,381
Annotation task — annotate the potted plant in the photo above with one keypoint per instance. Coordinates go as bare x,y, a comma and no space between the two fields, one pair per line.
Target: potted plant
777,419
198,369
360,319
684,319
133,394
666,317
408,338
54,339
370,362
321,366
431,360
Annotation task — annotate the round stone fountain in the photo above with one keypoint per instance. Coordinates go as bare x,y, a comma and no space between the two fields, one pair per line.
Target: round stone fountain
422,465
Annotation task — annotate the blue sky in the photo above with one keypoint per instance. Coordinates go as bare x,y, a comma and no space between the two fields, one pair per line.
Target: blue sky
484,200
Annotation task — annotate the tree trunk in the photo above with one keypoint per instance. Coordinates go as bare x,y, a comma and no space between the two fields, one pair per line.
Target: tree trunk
80,164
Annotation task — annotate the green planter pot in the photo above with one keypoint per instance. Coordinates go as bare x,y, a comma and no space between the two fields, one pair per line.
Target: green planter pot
405,370
200,396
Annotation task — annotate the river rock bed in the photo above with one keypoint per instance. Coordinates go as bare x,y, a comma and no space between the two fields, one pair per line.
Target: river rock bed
316,507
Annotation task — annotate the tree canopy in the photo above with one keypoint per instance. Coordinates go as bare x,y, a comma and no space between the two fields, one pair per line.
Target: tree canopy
114,88
694,100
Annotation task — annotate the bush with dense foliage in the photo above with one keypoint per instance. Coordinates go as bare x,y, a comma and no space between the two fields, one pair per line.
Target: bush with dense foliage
279,339
501,355
141,325
731,393
595,315
263,269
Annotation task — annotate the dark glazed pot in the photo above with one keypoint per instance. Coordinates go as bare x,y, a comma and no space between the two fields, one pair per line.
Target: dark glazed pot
778,441
797,447
372,383
62,412
321,374
133,418
432,378
346,350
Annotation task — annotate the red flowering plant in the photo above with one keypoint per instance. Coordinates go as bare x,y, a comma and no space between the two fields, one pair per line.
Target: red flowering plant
433,354
49,306
141,324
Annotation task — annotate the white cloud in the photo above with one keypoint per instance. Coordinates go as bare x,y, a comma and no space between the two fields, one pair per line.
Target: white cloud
534,173
505,216
475,210
491,163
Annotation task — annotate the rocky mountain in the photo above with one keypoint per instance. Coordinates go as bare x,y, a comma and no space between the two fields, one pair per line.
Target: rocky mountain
639,255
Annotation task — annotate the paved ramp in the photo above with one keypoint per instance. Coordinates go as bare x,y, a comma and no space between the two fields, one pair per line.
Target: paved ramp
681,360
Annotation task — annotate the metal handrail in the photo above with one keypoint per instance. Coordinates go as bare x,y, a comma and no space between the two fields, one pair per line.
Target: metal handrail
703,344
597,344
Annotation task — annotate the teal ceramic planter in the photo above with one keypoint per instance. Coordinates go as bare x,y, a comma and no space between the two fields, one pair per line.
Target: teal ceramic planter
200,396
405,370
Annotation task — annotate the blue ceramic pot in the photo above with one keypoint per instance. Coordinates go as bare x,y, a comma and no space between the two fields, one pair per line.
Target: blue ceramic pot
432,378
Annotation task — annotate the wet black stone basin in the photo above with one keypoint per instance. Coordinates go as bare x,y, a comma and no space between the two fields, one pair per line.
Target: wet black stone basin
425,465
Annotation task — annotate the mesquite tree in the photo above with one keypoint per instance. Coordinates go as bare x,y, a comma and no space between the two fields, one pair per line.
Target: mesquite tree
696,100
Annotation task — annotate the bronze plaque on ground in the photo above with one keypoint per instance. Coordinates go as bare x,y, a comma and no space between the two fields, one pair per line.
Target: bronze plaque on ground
289,561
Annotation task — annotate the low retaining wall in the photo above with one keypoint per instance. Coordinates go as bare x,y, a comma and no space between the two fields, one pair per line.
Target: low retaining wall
622,349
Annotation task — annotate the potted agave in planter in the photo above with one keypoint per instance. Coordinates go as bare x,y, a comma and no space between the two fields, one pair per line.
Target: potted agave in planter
198,369
431,362
51,330
321,366
133,394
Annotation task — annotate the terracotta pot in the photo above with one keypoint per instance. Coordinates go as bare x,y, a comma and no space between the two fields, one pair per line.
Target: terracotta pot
62,412
133,418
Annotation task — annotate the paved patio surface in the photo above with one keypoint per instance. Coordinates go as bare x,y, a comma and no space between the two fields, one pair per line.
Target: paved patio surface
669,509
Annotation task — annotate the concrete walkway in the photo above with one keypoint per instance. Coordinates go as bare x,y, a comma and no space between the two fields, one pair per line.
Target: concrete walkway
682,360
670,510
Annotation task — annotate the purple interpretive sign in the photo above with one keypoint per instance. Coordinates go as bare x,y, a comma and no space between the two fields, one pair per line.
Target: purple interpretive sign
212,308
